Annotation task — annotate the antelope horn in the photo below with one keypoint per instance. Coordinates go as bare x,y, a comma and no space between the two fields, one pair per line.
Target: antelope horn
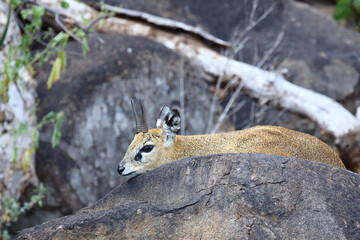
136,118
144,123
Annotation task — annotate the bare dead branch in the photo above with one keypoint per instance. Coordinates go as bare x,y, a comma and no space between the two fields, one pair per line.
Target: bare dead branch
253,10
182,103
264,85
167,23
271,50
227,108
65,29
237,107
87,28
237,47
253,23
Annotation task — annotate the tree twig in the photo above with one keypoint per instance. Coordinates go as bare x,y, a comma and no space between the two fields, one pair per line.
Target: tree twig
65,29
227,108
271,50
57,15
266,86
182,103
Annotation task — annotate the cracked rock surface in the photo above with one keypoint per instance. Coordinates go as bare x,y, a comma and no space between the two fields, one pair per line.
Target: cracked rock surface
94,95
230,196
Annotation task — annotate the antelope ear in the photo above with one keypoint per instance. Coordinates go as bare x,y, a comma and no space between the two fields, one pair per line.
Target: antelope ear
169,121
163,112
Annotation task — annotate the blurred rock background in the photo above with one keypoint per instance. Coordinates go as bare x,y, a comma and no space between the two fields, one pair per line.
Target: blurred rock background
95,91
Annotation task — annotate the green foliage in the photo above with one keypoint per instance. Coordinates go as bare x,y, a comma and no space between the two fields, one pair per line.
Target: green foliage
55,138
346,9
53,118
15,3
82,36
20,57
343,9
36,13
64,4
104,12
356,6
55,73
10,209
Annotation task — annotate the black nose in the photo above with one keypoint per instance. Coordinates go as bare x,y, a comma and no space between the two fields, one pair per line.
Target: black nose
120,169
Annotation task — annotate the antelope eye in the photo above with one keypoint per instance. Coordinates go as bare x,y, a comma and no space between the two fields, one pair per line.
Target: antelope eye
147,148
138,157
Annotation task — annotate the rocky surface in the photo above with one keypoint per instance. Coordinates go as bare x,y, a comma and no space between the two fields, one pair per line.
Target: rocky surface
318,52
95,94
95,91
231,196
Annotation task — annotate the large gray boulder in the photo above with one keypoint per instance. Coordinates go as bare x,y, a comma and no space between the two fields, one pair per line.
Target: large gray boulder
95,91
231,196
320,53
95,94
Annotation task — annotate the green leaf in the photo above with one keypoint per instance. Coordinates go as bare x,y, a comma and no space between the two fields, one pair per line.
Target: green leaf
62,56
3,86
85,46
55,138
14,157
22,131
25,13
59,37
64,4
85,20
356,5
36,22
55,73
35,137
27,159
37,11
48,118
15,3
49,32
342,9
80,33
7,97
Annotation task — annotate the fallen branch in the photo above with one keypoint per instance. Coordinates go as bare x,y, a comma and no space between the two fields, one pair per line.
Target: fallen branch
166,24
88,12
264,85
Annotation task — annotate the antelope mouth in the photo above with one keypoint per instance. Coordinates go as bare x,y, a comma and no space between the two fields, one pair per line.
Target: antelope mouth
130,175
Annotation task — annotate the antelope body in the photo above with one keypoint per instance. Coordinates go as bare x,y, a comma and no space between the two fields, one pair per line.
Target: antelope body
155,147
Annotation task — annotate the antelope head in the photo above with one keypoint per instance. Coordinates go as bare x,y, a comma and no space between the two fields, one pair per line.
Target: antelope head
150,148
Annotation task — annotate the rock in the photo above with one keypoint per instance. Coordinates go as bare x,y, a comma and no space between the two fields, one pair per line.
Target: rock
231,196
337,78
96,90
315,46
95,94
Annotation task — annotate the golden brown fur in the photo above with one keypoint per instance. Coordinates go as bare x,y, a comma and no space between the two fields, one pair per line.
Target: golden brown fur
260,139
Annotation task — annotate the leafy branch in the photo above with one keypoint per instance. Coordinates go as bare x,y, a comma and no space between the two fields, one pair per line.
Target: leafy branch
347,8
10,209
